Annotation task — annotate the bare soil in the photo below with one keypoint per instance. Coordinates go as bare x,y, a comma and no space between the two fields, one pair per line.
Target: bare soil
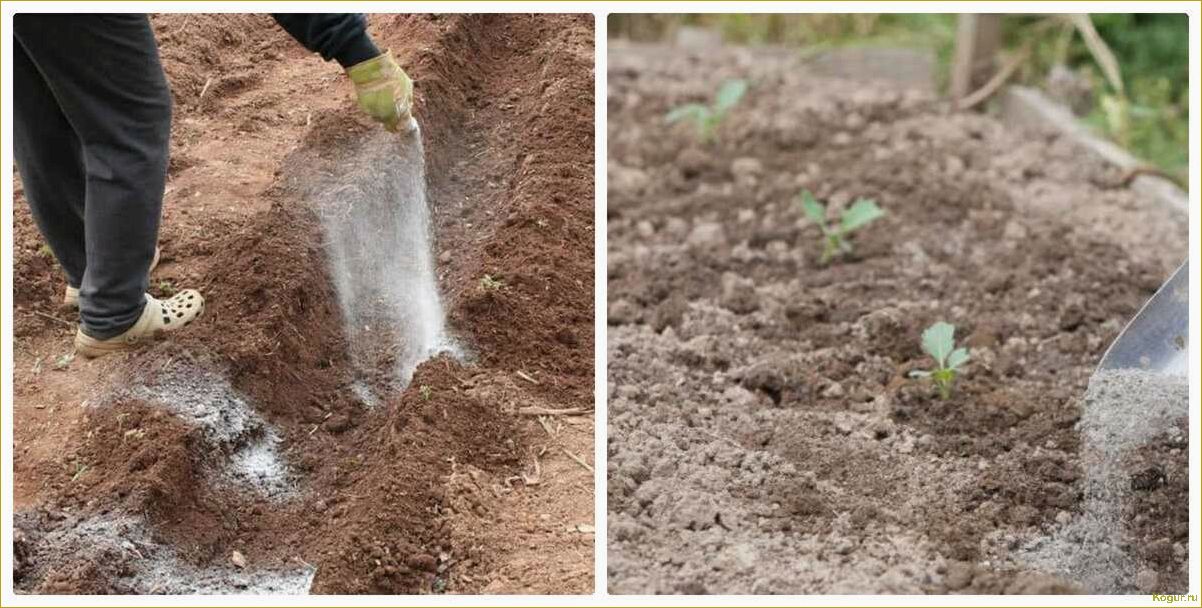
235,457
764,433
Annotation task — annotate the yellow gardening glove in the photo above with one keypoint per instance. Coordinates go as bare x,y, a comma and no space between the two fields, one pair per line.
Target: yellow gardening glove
385,92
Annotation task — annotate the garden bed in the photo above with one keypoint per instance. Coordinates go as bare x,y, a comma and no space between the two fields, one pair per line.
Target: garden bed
765,435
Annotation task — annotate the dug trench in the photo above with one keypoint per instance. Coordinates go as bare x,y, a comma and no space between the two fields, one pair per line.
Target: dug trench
765,435
236,456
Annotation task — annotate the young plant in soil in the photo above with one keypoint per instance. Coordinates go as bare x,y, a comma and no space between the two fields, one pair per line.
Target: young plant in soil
834,235
706,118
939,341
489,283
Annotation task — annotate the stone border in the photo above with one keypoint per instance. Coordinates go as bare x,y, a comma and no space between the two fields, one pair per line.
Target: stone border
1028,107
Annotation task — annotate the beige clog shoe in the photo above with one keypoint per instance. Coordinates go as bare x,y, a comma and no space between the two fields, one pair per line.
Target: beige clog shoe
158,316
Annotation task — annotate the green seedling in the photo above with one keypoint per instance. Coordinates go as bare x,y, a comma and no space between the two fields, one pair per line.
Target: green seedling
491,283
939,341
63,361
426,392
46,252
706,118
861,213
167,288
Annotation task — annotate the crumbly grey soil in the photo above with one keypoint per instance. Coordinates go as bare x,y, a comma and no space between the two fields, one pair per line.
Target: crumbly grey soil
764,436
1125,410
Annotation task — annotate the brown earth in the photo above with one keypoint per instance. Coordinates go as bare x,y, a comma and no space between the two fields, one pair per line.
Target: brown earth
765,435
424,494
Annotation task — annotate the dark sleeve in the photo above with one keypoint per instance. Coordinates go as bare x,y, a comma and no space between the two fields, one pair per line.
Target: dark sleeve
339,36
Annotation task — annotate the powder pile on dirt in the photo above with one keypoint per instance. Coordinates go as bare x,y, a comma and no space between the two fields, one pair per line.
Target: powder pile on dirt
239,445
121,552
376,221
1124,411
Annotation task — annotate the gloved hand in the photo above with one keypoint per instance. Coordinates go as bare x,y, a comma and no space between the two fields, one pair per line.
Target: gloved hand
385,92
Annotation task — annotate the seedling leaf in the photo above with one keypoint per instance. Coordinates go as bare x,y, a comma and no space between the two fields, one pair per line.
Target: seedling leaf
706,118
834,236
729,94
860,213
813,209
692,111
938,341
957,358
63,361
491,283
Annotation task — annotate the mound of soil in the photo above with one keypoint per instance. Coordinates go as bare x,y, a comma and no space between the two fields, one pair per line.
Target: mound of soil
236,456
765,434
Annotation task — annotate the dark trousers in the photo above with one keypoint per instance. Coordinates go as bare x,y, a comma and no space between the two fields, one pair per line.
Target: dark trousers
92,114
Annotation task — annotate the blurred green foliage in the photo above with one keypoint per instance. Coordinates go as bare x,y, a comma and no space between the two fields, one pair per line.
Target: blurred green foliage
807,29
1152,50
1151,46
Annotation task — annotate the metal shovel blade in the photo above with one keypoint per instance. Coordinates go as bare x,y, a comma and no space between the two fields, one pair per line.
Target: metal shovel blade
1157,339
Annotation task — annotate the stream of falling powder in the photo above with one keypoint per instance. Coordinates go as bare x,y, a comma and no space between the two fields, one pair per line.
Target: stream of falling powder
378,237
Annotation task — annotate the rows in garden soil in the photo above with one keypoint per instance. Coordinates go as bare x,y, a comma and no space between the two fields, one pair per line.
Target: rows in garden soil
162,492
774,392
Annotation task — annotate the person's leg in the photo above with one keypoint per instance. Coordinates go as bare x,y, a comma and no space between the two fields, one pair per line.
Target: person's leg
104,71
50,161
